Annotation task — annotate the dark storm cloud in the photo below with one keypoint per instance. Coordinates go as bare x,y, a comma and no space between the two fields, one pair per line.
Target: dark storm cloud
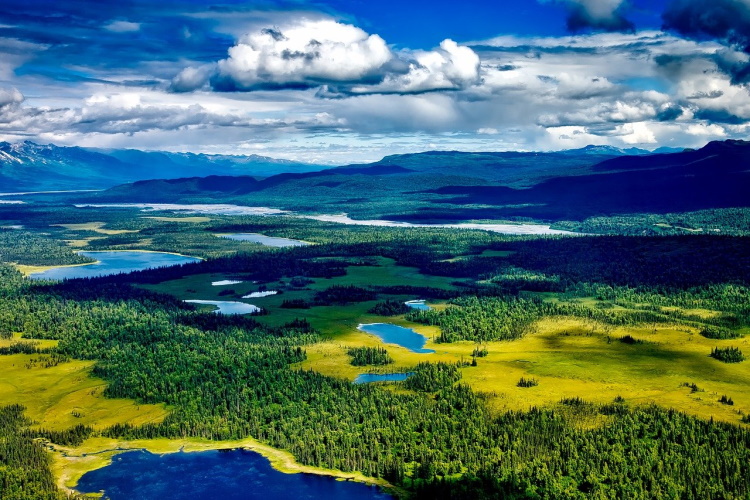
596,15
719,116
727,21
579,19
669,113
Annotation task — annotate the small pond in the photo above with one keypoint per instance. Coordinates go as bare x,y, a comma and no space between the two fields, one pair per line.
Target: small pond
113,262
228,307
226,282
269,241
418,305
366,378
258,295
216,474
394,334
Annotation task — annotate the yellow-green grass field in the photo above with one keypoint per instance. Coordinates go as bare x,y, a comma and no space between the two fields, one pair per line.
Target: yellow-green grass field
65,395
96,227
573,358
41,344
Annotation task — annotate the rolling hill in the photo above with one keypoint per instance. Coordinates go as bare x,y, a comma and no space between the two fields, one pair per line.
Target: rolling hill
459,186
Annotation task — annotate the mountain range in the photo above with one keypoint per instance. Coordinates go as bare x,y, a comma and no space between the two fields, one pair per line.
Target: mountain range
27,166
429,186
443,186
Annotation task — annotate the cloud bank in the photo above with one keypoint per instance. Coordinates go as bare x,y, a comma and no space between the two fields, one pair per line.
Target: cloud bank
340,58
306,84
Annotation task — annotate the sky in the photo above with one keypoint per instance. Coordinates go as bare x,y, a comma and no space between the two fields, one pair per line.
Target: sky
336,82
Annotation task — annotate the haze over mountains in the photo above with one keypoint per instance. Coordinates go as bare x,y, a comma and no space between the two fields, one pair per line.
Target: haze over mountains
27,166
458,186
434,185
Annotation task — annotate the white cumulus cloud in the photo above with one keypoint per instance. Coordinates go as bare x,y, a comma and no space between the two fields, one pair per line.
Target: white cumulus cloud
9,97
341,59
449,67
304,53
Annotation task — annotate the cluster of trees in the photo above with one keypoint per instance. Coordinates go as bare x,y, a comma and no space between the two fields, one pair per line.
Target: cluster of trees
482,319
730,298
389,307
432,377
527,382
343,294
508,317
295,304
363,356
726,400
728,354
630,340
32,248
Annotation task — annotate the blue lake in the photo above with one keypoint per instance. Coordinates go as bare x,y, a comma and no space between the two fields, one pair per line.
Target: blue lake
394,334
366,378
227,306
114,262
269,241
418,305
224,475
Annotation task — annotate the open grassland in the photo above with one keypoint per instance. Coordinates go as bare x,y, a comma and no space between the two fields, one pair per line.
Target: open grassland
97,227
16,338
59,397
573,358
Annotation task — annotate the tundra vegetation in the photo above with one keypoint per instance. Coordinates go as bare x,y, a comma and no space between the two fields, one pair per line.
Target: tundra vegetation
500,410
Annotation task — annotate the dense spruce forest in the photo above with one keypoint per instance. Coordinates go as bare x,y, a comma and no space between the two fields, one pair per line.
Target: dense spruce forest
230,377
24,463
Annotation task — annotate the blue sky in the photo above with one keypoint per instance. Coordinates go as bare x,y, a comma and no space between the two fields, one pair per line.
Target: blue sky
341,81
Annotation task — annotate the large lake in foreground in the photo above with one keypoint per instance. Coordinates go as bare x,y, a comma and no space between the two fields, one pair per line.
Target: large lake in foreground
220,475
113,262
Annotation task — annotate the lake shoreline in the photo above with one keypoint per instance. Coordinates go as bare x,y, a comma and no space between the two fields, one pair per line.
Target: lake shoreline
70,464
28,270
